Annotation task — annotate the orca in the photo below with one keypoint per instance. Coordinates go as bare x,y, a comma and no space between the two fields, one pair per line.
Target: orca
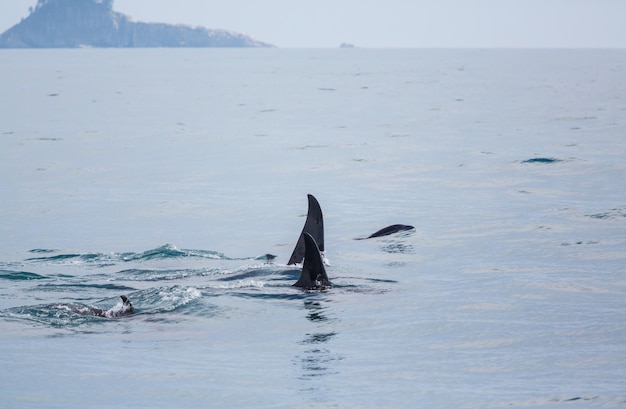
127,309
390,230
314,226
313,275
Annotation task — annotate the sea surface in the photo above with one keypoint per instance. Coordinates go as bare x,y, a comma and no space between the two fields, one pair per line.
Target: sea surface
170,175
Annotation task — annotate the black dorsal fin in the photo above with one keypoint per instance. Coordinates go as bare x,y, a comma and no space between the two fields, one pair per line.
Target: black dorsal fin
313,273
314,225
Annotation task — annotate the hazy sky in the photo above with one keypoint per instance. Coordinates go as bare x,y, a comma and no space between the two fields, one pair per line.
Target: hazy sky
388,23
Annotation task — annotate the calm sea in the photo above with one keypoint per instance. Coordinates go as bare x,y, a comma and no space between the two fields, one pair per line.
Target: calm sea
167,175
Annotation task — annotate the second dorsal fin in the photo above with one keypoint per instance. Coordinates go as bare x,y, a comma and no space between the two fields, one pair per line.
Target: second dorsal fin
314,225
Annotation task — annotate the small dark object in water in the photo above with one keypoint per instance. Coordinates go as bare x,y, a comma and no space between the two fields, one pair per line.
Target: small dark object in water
542,160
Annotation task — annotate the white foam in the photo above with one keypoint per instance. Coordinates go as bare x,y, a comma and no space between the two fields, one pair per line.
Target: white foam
245,283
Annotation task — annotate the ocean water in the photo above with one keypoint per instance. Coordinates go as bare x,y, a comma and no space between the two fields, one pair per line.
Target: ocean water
169,175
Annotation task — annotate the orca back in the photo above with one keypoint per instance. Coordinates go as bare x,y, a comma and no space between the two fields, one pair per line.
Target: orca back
390,230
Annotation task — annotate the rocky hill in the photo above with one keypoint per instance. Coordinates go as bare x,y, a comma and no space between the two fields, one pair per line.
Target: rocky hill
94,23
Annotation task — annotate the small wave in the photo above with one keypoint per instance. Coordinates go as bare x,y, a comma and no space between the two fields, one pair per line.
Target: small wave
58,319
232,285
282,296
610,214
86,286
164,299
60,257
255,272
54,315
20,275
170,251
256,277
308,147
98,259
162,275
167,251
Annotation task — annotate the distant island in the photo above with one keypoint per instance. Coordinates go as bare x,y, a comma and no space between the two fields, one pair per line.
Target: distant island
93,23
